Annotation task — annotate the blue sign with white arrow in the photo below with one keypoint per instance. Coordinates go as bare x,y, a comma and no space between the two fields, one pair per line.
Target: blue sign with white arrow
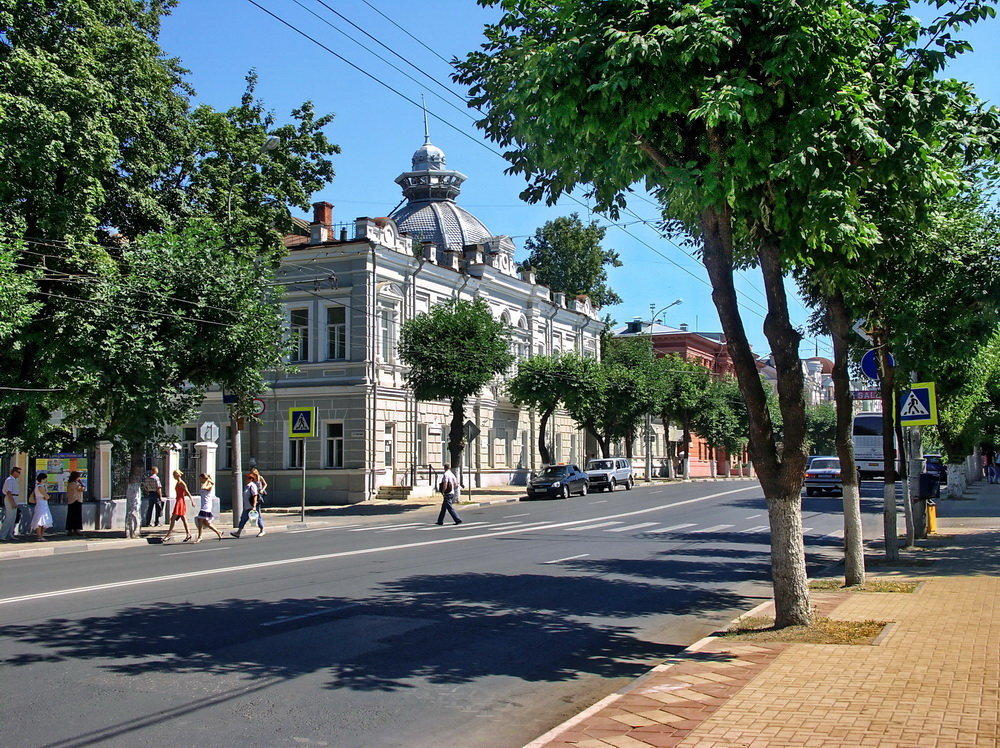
869,364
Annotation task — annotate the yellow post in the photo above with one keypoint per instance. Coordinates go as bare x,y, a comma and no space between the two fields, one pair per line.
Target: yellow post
931,518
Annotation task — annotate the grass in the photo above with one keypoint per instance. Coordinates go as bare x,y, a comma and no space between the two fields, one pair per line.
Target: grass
878,585
822,631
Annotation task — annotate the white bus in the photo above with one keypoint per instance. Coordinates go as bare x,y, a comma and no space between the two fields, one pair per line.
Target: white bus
867,438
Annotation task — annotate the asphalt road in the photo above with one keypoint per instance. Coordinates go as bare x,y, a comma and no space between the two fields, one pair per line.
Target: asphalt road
384,630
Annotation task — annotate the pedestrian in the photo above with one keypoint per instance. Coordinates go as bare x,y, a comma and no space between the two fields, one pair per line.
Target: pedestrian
251,496
261,487
993,467
448,486
11,489
42,518
74,503
181,497
154,496
205,515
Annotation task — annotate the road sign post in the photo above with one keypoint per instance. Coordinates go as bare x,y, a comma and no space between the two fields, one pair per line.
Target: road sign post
301,425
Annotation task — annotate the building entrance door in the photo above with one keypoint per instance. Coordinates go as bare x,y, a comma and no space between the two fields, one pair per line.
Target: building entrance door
389,454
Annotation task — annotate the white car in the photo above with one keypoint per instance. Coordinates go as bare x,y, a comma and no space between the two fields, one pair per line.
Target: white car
609,472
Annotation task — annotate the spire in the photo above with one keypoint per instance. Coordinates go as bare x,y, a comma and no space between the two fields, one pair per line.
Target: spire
427,130
429,179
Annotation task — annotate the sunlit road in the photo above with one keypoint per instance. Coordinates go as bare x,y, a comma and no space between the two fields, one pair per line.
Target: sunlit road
384,630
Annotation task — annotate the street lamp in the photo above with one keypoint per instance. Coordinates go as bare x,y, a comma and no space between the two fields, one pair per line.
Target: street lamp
653,316
649,416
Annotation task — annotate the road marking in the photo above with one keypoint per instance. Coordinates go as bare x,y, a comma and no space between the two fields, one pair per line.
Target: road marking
384,527
593,527
713,528
752,516
325,611
346,554
839,534
200,550
671,528
568,558
806,529
321,529
758,528
511,516
633,527
602,501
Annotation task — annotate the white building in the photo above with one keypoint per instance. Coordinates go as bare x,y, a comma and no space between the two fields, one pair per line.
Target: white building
348,289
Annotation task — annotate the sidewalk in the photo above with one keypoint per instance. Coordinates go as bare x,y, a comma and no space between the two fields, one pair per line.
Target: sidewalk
932,678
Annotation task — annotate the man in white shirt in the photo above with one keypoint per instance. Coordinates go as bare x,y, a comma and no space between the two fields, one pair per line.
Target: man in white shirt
153,489
11,489
449,496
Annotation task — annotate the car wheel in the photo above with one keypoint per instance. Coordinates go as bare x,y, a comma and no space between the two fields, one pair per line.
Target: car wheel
584,489
565,492
628,484
611,485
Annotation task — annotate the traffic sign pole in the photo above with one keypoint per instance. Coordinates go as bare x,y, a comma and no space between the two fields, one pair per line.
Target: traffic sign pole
302,513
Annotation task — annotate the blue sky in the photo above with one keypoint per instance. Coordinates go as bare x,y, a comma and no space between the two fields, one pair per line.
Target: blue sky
378,129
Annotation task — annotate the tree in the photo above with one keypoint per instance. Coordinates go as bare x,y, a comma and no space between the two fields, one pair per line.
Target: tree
568,257
543,383
721,420
821,426
681,387
753,124
100,147
453,351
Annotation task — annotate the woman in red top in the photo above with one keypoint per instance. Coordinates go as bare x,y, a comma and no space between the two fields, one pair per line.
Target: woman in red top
182,497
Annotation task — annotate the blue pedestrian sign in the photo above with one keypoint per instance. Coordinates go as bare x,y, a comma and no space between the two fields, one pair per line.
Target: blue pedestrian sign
918,405
301,422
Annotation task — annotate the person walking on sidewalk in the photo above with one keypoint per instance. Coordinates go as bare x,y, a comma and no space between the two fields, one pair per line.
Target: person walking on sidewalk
250,511
41,520
74,504
11,489
449,496
205,516
182,495
154,496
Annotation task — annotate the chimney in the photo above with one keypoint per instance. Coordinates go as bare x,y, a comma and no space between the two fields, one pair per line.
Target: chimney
321,228
684,326
429,252
559,298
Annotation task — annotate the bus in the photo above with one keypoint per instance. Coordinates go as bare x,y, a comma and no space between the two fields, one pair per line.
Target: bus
867,437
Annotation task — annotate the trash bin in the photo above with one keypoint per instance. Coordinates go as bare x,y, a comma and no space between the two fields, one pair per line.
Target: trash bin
928,486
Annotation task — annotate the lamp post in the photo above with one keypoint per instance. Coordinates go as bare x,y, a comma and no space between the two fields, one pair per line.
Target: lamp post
649,416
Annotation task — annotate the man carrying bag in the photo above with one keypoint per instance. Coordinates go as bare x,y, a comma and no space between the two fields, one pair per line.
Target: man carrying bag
449,493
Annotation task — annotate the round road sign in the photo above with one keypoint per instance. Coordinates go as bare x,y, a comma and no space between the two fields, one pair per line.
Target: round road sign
259,406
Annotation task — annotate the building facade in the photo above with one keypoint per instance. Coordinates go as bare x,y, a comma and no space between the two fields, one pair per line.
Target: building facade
348,290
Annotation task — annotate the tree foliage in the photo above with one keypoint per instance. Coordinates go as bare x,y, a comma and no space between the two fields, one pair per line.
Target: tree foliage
567,256
454,351
543,383
821,425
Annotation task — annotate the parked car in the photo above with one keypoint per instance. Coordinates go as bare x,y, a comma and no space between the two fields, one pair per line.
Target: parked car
606,473
559,481
823,475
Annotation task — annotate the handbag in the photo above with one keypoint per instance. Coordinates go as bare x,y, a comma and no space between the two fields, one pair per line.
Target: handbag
253,516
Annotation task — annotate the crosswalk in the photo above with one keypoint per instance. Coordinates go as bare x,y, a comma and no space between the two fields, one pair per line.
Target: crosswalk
653,529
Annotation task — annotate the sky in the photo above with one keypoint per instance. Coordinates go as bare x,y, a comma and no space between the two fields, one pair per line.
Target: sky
379,123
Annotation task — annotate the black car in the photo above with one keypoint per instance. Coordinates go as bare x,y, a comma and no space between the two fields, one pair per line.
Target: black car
558,481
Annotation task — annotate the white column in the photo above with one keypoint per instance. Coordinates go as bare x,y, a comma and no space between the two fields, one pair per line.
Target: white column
173,455
101,488
207,461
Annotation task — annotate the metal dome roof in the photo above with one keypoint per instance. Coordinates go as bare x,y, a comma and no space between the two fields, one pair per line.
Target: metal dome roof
443,222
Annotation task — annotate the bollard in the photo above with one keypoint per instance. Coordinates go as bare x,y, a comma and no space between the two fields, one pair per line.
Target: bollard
931,518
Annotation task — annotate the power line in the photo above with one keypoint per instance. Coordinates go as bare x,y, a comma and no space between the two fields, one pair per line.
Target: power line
418,41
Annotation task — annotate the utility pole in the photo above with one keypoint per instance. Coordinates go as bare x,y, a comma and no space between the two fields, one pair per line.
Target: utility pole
237,466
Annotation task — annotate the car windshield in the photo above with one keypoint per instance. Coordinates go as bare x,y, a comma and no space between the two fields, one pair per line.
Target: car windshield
553,472
825,465
600,465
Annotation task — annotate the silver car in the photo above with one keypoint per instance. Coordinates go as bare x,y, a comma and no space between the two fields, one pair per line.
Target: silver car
609,472
822,475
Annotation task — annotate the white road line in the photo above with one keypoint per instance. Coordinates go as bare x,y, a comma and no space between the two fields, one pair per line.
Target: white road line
806,529
385,527
200,550
568,558
602,501
593,527
839,534
633,527
346,554
758,528
511,516
713,528
672,528
315,613
321,529
753,516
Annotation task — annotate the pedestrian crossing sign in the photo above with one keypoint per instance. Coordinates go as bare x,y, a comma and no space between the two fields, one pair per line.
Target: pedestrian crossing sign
918,405
301,422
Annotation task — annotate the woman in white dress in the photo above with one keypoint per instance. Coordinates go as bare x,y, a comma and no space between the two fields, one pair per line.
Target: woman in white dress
42,517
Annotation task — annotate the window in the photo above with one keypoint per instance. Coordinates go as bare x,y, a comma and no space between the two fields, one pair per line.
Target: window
188,456
226,456
390,445
299,327
296,452
334,445
387,333
336,333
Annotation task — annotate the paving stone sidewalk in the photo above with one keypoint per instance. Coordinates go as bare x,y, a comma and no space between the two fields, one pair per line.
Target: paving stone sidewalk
931,679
